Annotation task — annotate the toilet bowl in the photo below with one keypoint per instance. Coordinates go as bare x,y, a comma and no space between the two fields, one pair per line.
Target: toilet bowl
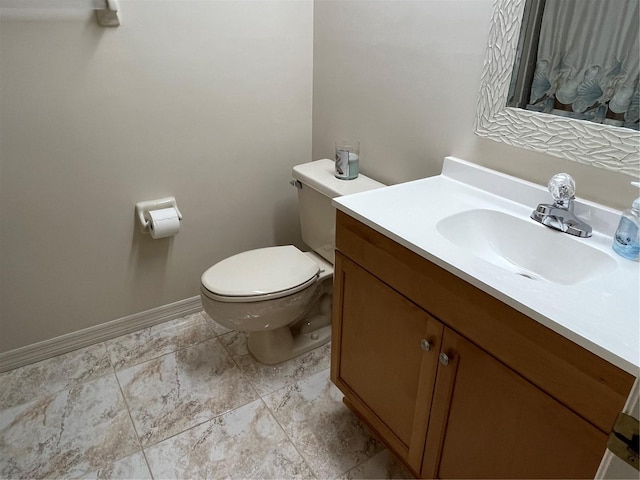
281,295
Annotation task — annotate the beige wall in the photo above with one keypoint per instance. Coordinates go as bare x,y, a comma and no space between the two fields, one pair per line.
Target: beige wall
209,101
403,77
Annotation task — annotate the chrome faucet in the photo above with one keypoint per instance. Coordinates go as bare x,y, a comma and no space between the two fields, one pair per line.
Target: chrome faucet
559,215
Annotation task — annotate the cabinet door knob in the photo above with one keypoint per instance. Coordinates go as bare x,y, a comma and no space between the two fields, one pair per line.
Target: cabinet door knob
425,344
444,359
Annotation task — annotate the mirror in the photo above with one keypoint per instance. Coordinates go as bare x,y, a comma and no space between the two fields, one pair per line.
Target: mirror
602,145
579,59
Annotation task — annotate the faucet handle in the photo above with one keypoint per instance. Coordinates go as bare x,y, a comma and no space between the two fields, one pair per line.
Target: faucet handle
562,188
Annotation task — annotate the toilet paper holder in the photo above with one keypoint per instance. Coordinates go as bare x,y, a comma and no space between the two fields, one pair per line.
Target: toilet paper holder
143,209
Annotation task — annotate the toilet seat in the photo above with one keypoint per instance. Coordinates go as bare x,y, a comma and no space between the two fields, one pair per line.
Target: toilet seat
261,274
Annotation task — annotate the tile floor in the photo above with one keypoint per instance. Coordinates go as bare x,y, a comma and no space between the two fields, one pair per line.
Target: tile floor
183,399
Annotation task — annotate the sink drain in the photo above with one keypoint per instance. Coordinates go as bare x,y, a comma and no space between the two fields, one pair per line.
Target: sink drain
526,275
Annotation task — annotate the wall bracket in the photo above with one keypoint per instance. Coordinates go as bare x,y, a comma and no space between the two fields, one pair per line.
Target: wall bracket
108,16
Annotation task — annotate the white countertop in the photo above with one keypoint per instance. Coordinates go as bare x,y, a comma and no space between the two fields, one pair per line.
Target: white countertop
601,313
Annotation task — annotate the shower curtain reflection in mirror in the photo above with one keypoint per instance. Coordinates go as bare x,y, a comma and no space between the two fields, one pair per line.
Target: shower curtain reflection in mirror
584,62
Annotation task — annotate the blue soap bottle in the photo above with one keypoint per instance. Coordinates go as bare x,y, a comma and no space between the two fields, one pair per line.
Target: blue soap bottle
626,241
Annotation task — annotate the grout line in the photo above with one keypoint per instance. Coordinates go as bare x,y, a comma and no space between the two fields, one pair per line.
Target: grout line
257,394
293,444
202,423
235,362
261,397
74,381
175,348
133,424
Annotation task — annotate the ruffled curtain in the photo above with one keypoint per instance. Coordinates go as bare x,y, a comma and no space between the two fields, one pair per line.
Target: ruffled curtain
589,61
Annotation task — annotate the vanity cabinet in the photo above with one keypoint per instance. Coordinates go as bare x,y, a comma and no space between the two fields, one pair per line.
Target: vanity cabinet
456,383
489,422
388,359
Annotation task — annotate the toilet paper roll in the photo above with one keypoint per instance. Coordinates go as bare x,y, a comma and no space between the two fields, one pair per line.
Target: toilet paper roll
164,223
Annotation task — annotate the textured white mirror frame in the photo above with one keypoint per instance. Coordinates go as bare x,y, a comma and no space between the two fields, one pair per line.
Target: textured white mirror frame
604,146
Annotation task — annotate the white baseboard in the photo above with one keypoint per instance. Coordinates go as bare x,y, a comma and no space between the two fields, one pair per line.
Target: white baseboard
99,333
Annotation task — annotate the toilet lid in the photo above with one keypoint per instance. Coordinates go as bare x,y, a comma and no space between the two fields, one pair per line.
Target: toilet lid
260,272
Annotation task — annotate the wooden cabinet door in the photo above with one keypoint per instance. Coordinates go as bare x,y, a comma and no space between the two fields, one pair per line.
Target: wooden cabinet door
489,422
380,358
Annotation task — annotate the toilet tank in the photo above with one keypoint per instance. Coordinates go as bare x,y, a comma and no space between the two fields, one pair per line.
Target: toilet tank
317,216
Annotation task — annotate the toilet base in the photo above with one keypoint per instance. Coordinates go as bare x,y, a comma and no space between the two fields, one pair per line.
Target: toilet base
310,331
276,346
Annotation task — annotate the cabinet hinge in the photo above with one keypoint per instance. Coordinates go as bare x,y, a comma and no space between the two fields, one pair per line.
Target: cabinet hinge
624,439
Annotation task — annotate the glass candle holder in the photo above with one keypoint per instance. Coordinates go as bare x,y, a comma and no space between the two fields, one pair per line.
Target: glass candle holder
347,159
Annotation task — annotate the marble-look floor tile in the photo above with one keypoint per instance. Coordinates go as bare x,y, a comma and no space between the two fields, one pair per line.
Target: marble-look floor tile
153,342
26,384
330,438
170,394
269,378
68,433
134,467
246,443
383,466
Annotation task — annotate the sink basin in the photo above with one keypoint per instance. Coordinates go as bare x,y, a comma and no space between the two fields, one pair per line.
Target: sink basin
526,248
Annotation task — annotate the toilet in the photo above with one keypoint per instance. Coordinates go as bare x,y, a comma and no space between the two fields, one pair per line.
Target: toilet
281,295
